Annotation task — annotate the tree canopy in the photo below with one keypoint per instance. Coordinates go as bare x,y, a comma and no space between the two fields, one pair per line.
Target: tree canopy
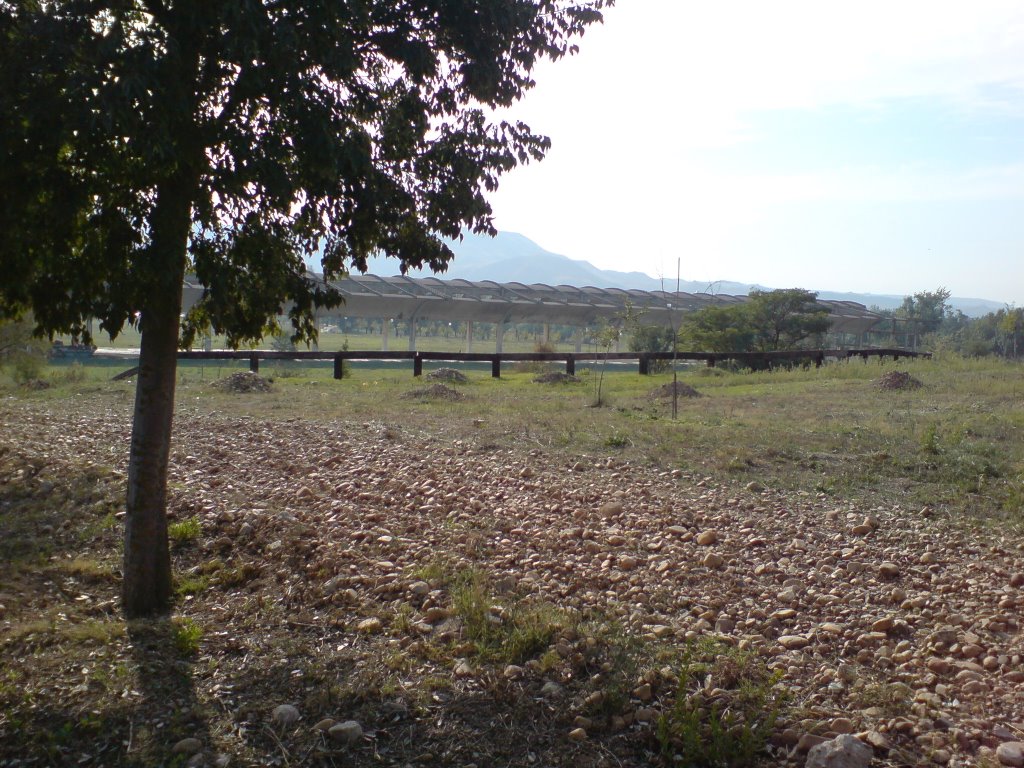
143,139
767,321
278,128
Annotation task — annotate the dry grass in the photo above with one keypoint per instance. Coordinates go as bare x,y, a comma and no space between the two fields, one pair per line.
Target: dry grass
77,680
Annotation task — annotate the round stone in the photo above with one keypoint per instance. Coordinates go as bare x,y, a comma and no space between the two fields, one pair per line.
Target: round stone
187,746
1010,753
286,715
348,732
706,538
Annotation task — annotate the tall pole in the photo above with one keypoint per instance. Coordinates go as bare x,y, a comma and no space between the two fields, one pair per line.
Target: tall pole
675,351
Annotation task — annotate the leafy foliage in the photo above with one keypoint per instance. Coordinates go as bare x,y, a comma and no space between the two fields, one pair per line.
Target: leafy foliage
269,130
769,320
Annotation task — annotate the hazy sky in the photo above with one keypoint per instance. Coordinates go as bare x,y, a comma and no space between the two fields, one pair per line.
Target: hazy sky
871,146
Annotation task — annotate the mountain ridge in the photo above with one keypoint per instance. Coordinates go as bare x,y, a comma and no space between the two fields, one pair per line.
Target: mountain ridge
511,257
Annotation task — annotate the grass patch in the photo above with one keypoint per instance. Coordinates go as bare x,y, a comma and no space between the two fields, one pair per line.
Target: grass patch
191,585
726,706
184,531
509,631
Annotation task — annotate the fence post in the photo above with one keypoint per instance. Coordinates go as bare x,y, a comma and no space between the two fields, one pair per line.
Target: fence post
496,367
254,363
570,365
339,366
645,365
417,366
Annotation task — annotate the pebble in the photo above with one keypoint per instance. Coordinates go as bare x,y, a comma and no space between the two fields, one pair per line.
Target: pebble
348,732
844,751
189,746
842,725
793,642
888,570
713,560
435,614
551,690
706,538
370,626
808,741
286,715
578,734
1011,753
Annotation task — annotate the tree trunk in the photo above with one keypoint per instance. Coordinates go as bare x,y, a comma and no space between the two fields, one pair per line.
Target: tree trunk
147,589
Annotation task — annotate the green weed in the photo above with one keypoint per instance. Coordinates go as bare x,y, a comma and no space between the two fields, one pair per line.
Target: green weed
186,636
511,631
726,706
184,531
192,585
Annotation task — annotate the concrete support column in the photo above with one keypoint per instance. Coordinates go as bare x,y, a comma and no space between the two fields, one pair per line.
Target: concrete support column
208,343
547,333
385,332
579,340
316,324
412,334
499,336
469,335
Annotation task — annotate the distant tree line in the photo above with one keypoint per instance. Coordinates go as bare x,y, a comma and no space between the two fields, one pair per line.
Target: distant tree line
926,320
792,319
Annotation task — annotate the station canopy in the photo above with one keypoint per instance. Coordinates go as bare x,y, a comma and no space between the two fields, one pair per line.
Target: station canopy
429,298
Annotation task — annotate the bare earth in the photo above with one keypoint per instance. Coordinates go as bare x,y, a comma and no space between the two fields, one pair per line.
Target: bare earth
322,546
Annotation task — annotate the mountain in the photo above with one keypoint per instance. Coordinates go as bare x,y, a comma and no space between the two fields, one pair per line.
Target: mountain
512,258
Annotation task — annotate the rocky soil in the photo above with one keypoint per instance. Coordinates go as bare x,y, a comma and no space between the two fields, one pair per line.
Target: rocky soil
323,545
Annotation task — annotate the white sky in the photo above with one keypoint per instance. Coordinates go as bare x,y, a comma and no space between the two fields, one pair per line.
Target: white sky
871,146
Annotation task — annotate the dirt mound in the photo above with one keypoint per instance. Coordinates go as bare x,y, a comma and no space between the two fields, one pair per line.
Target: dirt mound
434,392
682,390
448,374
898,380
556,377
243,381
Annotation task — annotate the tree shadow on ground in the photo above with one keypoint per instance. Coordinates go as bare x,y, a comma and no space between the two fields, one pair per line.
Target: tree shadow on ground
169,710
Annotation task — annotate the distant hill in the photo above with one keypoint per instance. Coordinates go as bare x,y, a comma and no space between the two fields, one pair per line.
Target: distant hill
512,258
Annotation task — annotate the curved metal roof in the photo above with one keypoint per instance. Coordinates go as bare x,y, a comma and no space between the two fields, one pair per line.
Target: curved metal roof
430,298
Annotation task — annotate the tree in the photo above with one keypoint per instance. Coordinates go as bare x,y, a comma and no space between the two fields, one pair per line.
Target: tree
786,318
718,329
1012,325
142,139
924,311
769,320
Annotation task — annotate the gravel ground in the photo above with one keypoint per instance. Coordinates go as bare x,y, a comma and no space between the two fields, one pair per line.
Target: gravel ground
887,623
